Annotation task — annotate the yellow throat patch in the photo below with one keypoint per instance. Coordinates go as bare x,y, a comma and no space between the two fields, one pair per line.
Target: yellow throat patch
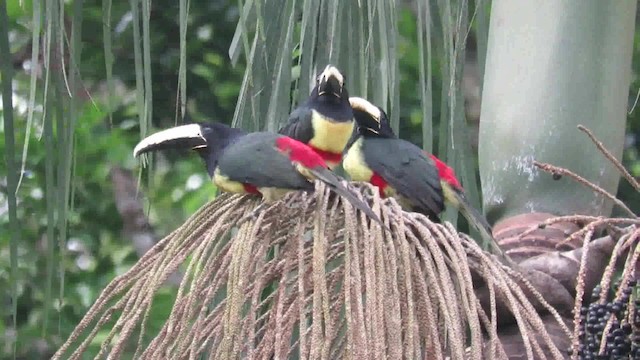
329,135
355,165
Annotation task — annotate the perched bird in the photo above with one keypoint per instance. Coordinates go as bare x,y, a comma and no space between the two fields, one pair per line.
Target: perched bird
262,163
325,120
419,181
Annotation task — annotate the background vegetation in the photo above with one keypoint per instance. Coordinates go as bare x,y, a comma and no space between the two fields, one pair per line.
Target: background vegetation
98,240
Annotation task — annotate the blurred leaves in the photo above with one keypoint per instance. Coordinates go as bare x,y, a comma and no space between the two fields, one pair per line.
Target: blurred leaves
95,249
6,74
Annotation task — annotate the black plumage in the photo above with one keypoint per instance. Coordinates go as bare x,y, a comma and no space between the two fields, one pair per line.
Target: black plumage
408,171
255,160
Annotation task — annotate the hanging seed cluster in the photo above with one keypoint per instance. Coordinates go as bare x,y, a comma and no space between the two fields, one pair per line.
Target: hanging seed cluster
611,329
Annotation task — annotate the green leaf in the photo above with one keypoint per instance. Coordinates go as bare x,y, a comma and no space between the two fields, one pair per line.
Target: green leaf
18,8
6,71
426,74
108,56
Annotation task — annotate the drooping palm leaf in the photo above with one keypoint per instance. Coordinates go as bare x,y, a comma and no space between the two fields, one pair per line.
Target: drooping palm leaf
6,71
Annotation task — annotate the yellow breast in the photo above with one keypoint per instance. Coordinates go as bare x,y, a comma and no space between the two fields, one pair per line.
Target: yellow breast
405,203
226,184
354,163
329,135
391,192
450,194
270,194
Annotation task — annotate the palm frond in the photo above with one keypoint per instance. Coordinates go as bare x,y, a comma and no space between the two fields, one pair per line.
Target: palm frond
6,74
108,56
358,37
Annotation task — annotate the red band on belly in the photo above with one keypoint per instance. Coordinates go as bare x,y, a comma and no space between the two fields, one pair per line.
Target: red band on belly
377,180
251,189
328,156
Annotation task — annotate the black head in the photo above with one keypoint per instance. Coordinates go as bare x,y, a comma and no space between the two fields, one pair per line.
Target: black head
330,96
330,92
217,136
330,84
371,120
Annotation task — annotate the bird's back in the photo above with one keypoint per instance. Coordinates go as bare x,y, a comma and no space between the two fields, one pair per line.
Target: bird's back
407,170
254,159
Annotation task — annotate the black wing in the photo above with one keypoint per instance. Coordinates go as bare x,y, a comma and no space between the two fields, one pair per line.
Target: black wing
407,169
253,159
299,125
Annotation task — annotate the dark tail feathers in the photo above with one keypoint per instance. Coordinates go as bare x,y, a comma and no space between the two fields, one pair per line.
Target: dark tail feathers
333,181
477,220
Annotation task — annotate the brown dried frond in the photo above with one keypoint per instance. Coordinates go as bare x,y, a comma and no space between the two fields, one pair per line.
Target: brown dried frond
575,272
315,280
562,171
610,157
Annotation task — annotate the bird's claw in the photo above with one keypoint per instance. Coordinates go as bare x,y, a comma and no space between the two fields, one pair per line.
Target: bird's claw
253,216
293,203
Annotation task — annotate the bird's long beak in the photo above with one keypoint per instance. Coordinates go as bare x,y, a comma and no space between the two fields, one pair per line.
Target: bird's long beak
179,137
330,82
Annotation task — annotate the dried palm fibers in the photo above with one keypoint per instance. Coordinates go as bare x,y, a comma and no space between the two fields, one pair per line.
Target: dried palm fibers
311,279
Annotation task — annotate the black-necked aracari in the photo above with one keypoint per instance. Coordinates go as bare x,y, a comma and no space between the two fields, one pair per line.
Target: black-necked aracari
419,181
261,163
325,120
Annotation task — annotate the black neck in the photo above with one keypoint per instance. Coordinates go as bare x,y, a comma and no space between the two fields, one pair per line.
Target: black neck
330,106
384,132
218,137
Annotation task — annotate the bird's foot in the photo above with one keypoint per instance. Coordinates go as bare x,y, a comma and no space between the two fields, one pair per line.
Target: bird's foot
253,215
297,201
293,203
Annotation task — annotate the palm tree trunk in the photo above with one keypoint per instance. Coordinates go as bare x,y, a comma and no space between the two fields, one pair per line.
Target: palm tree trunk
550,66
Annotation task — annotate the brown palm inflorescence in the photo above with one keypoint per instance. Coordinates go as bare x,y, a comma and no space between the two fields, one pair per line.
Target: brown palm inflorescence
316,280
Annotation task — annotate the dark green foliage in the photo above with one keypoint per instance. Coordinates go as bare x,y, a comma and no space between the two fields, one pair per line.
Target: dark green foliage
96,250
